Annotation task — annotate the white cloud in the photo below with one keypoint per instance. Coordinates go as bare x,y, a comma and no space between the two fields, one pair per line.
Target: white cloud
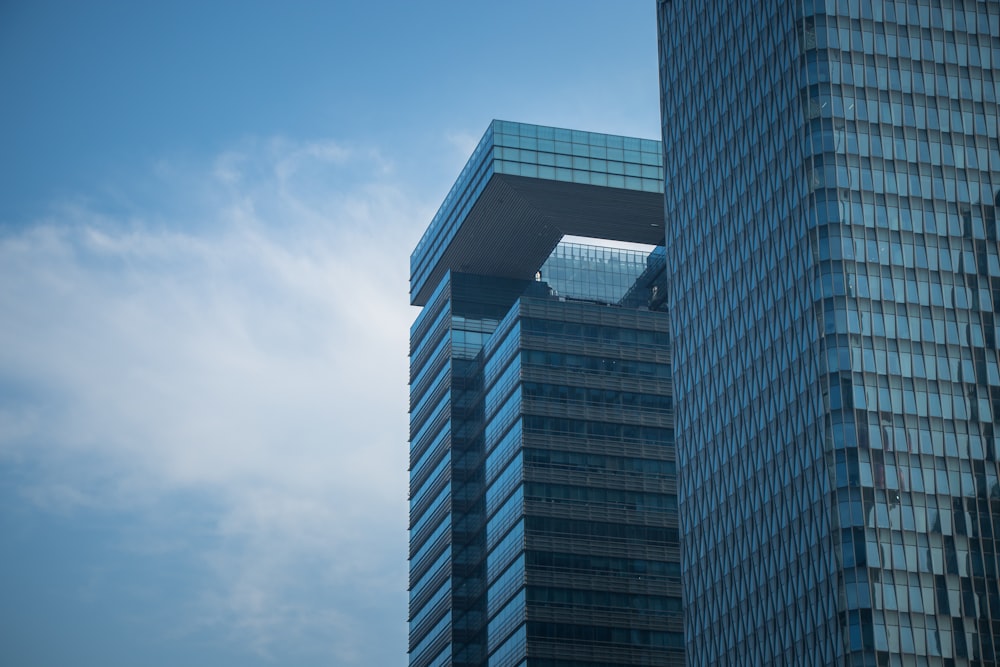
252,352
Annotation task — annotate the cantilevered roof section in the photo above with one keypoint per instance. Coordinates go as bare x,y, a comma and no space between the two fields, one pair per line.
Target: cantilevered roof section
526,186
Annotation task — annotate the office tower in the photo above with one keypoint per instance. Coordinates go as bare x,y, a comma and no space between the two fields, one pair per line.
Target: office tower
832,182
543,519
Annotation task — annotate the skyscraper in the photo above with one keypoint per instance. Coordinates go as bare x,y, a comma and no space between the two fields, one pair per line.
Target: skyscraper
832,183
543,517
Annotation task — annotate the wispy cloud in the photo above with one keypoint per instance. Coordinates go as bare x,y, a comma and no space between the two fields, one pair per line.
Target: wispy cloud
463,142
246,353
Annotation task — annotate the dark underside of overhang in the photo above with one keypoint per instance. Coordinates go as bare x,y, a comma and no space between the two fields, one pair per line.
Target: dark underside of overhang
517,221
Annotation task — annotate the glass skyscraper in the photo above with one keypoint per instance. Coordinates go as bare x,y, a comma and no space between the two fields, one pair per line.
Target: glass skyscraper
832,181
543,499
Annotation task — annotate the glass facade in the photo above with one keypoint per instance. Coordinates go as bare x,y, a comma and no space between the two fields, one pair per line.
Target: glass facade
583,560
447,541
604,275
543,500
832,183
578,183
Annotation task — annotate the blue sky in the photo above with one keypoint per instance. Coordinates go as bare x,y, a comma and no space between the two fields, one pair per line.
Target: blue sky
206,215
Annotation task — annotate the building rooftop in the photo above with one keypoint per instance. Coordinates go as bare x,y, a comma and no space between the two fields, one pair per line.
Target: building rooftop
525,187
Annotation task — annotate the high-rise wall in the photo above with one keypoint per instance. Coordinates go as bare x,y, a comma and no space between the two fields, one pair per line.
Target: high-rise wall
583,565
542,476
832,177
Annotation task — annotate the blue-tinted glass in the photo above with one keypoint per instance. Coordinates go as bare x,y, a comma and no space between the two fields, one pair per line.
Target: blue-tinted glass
831,180
541,414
